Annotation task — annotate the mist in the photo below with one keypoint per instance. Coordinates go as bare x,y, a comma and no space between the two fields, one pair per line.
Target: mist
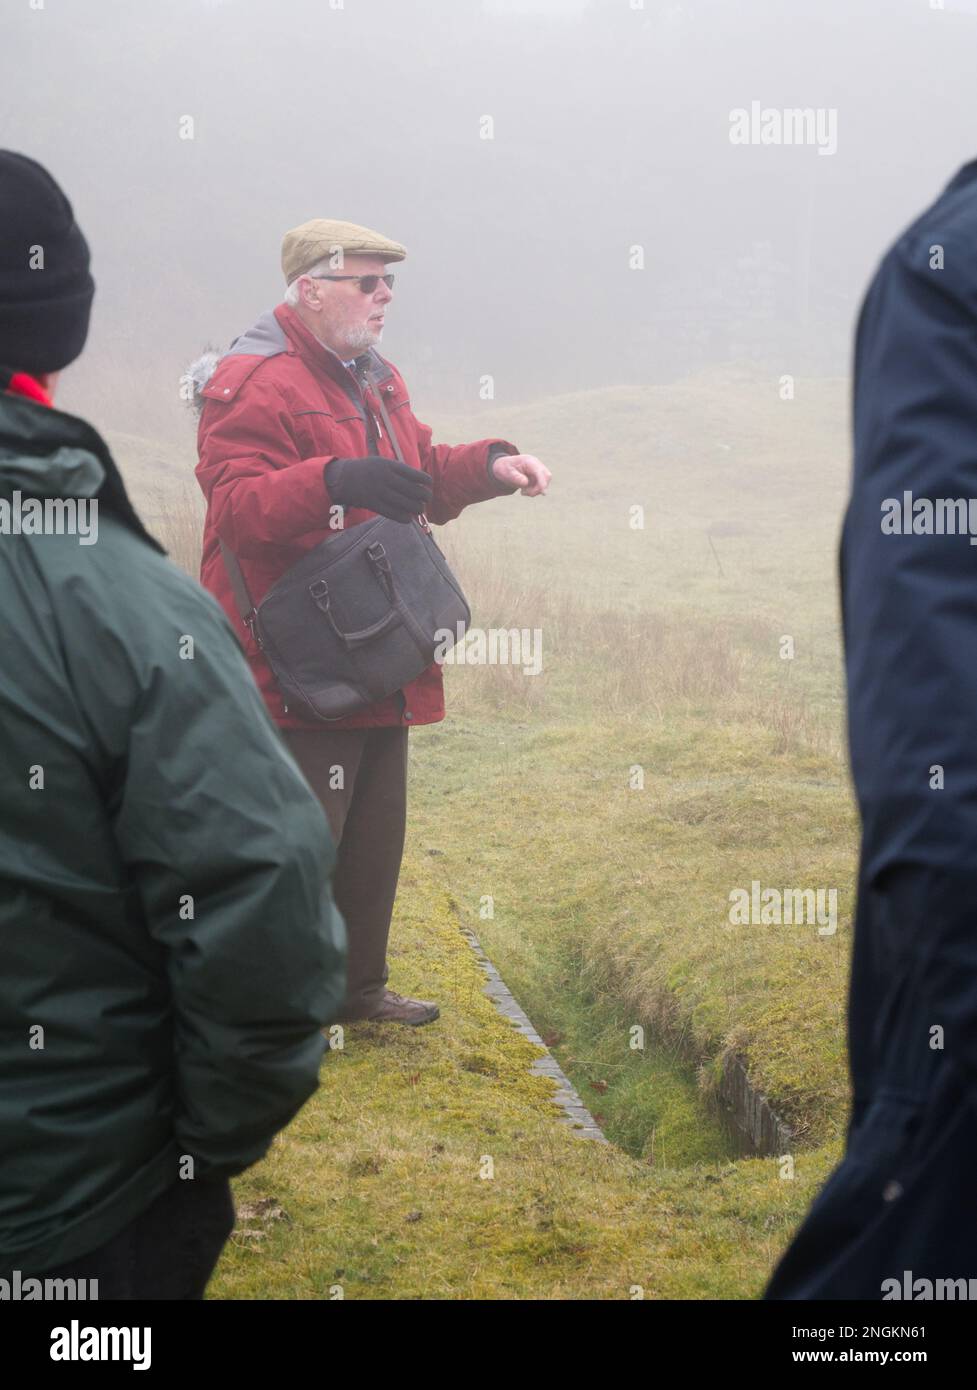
563,175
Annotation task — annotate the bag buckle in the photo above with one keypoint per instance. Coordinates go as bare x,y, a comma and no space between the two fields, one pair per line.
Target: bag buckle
319,590
378,558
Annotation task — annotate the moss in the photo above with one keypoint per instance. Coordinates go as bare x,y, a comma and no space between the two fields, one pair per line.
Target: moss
382,1181
634,929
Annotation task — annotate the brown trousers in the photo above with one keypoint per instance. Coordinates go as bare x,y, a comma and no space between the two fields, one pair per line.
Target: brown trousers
367,816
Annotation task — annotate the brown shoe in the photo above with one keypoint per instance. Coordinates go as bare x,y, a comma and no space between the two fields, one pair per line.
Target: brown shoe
397,1008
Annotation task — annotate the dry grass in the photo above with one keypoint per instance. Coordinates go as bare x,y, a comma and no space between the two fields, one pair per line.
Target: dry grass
625,663
177,523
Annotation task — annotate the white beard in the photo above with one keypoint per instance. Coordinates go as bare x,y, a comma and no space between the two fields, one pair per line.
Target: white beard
360,339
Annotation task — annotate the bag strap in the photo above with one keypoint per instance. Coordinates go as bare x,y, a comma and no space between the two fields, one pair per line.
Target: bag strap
374,382
239,586
372,379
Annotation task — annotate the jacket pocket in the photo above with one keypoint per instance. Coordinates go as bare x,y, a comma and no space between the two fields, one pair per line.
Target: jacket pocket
315,432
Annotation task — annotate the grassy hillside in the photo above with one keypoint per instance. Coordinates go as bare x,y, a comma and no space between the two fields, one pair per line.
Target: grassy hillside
662,650
429,1165
590,823
742,494
622,897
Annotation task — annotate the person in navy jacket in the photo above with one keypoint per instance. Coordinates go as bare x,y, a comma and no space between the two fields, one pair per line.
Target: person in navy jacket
899,1214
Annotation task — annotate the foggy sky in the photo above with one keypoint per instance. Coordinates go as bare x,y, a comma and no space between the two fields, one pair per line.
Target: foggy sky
611,130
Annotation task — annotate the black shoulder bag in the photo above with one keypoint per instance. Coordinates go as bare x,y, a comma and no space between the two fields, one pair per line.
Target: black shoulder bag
359,616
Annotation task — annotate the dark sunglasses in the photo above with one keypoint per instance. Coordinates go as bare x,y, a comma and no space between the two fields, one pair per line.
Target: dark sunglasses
368,283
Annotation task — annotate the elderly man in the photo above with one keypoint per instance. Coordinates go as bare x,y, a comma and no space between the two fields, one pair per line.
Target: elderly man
290,433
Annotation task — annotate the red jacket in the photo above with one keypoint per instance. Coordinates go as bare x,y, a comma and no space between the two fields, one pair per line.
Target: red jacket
277,408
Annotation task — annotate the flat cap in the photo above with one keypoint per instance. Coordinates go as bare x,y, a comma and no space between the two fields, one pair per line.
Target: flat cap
319,239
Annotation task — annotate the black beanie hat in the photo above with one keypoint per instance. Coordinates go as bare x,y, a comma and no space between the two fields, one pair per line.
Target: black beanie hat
43,310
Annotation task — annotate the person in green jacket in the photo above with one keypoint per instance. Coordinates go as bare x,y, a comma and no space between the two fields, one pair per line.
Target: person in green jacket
169,945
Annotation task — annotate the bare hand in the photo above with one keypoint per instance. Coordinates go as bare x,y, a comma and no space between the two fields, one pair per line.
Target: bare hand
524,471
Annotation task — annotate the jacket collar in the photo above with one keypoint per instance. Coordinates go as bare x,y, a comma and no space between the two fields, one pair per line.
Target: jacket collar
307,346
35,438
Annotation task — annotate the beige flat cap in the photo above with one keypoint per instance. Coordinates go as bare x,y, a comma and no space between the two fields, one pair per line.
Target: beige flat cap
318,239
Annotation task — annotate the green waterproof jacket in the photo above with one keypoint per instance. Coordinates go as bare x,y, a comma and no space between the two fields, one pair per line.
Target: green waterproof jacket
169,947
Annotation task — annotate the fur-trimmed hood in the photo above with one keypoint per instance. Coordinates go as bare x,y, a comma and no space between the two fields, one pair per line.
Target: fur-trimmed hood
265,338
196,376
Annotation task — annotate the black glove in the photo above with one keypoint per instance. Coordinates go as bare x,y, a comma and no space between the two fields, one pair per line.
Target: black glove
379,484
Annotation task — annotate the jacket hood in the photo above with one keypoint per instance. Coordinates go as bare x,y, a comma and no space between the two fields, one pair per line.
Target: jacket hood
265,338
67,471
47,453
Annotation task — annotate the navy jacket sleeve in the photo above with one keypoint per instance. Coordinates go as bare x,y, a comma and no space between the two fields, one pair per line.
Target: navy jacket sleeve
909,588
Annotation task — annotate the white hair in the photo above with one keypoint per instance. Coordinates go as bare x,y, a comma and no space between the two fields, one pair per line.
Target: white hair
292,293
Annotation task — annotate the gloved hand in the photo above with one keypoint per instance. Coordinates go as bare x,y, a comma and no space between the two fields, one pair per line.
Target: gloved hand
379,484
